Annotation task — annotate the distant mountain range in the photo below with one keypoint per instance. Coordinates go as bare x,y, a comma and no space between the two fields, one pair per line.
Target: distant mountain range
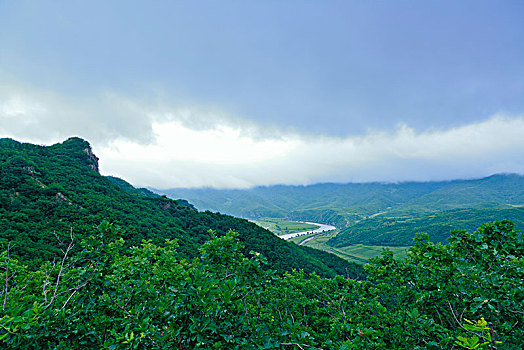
375,213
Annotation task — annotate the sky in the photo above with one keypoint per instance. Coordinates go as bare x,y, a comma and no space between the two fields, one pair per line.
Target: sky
235,94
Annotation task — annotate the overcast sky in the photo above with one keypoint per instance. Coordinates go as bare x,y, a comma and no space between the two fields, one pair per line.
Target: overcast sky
244,93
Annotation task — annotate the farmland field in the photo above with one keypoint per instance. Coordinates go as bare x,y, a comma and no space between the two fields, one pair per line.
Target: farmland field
283,227
358,253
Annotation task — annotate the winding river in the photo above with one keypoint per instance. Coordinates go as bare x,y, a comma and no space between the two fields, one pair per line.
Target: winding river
322,228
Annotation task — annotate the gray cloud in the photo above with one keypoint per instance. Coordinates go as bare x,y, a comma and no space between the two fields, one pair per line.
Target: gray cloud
157,141
40,115
45,116
362,65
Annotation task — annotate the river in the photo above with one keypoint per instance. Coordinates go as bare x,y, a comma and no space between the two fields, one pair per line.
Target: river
322,228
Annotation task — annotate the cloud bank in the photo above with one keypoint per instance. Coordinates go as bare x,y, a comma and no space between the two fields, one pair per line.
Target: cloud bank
161,144
225,158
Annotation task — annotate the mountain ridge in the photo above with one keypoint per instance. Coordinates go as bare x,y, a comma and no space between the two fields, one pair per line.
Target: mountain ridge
370,196
373,207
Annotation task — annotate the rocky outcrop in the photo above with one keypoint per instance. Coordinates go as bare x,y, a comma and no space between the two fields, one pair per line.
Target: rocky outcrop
61,198
93,158
30,170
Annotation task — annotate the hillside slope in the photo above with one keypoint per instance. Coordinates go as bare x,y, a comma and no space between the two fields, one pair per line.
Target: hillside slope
336,204
400,230
361,199
50,190
377,213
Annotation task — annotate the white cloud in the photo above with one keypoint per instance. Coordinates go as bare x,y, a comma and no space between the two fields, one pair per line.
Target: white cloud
225,157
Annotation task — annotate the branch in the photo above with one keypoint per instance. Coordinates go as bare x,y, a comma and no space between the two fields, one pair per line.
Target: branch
75,290
245,309
46,282
492,335
481,336
116,304
6,274
516,312
64,258
301,346
515,325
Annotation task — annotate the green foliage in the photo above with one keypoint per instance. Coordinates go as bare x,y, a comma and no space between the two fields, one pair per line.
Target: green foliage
149,286
358,253
399,230
146,297
482,335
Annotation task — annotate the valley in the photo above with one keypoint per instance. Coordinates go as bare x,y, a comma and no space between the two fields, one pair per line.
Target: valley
283,228
370,216
318,235
91,261
262,175
357,253
287,229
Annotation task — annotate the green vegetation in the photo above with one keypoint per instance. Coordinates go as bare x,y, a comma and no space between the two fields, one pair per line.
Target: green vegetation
300,239
47,190
377,214
345,204
144,192
284,227
357,253
468,294
399,230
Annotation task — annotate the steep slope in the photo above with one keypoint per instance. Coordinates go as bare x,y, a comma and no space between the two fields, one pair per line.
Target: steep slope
495,190
50,190
126,186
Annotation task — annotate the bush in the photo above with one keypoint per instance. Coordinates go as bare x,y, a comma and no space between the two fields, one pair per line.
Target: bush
144,297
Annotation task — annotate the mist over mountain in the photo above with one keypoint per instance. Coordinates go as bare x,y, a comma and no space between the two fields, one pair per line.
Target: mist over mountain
375,213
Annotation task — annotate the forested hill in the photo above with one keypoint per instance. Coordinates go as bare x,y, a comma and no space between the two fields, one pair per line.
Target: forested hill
376,213
47,191
345,204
